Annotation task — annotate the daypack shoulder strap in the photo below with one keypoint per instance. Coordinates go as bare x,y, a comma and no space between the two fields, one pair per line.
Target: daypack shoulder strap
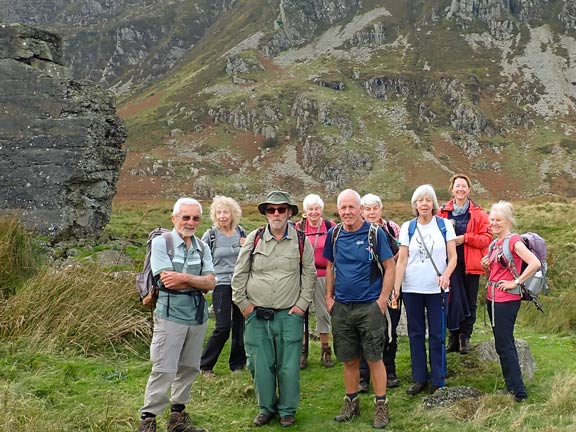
373,240
327,224
169,244
211,238
442,225
412,229
241,230
335,235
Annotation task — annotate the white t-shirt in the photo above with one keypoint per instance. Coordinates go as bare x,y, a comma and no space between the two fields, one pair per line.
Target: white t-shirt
420,276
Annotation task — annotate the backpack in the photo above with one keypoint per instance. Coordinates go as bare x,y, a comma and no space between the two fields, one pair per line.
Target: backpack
301,240
372,243
533,286
439,220
146,284
212,235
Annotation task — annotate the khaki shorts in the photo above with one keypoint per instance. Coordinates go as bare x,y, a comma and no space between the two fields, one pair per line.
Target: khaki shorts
358,328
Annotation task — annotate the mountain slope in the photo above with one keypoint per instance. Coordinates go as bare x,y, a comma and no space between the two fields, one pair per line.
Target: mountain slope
319,95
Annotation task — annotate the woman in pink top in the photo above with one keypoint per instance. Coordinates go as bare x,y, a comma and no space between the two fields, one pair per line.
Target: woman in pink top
316,227
503,294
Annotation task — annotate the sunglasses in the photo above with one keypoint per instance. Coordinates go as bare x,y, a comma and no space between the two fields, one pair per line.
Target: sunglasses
272,210
186,218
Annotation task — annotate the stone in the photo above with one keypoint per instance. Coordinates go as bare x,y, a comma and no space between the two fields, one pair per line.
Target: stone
487,352
60,139
448,396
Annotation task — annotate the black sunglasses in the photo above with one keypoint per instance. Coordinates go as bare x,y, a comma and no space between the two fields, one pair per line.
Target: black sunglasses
186,218
272,210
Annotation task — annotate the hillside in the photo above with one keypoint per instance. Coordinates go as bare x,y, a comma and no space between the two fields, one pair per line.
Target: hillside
312,95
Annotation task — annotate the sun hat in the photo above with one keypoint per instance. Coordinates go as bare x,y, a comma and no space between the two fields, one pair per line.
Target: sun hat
278,197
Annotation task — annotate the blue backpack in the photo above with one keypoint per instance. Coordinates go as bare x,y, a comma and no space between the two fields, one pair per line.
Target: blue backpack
439,220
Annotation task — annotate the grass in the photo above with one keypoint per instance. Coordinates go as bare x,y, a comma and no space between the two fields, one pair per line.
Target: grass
74,349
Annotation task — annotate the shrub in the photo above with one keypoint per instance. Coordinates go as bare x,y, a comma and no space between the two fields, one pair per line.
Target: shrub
19,255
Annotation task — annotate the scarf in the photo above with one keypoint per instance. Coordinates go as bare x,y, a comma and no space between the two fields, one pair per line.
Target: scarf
458,211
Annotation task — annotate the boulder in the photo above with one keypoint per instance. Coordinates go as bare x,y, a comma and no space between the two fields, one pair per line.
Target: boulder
487,352
60,139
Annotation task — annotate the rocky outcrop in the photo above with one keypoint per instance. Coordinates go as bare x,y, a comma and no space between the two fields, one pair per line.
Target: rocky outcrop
298,22
60,139
259,120
123,43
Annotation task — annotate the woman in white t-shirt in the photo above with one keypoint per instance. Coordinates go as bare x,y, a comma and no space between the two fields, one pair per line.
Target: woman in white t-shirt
426,259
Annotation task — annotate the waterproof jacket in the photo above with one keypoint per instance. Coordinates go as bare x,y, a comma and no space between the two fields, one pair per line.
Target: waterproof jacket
477,237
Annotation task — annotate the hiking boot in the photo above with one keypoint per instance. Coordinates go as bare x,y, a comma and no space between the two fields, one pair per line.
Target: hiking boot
381,419
350,409
392,381
326,357
181,422
363,386
147,425
453,343
416,388
303,361
263,418
287,421
464,344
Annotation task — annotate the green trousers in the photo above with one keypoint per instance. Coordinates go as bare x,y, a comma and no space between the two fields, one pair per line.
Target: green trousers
273,350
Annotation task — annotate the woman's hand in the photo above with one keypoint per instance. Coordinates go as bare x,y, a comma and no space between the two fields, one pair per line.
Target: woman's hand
459,240
506,285
444,282
485,263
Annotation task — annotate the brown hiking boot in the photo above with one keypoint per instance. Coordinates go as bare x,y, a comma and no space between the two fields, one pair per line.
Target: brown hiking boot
350,409
326,357
381,419
147,425
181,422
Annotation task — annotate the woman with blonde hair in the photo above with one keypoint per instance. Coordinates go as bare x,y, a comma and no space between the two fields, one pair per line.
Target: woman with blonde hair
503,292
225,239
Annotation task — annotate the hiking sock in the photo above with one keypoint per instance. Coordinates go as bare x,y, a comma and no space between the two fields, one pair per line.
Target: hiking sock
379,398
146,415
177,407
351,396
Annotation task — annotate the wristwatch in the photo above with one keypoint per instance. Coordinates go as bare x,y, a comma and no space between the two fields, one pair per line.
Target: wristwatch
517,281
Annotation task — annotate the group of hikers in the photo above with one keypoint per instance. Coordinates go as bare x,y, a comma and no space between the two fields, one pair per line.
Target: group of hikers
357,274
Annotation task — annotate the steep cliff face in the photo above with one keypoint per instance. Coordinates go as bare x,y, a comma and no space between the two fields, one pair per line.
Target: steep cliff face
60,139
120,44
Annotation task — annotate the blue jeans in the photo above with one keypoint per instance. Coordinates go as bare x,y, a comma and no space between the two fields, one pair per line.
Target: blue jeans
506,313
419,309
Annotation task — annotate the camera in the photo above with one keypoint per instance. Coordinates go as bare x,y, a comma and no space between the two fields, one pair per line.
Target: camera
265,313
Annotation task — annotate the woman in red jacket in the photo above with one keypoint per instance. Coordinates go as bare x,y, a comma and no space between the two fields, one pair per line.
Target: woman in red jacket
473,236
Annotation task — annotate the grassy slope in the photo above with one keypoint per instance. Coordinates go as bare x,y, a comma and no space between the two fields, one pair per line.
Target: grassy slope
48,384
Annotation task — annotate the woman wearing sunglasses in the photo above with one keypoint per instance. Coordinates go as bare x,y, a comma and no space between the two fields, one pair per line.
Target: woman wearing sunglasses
503,293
